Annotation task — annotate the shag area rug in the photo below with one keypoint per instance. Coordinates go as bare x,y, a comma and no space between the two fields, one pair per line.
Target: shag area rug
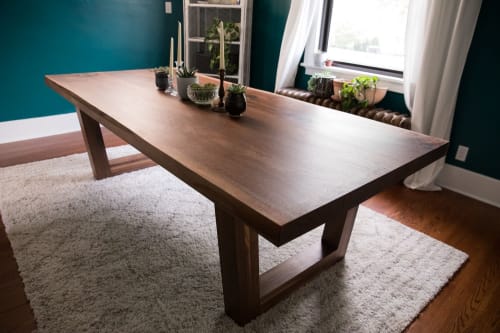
138,253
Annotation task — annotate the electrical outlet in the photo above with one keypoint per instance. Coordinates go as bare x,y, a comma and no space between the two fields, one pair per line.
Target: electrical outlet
461,154
168,7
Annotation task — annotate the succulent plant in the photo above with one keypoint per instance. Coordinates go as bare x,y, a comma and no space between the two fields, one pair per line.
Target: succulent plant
162,69
183,71
237,89
196,86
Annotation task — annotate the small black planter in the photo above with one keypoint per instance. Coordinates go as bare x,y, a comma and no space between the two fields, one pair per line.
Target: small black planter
236,104
161,79
323,87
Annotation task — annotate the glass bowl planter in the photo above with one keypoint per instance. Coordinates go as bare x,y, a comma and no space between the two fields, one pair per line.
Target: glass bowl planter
202,94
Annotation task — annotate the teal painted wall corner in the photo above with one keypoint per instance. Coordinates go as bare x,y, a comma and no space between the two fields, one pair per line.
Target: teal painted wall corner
477,113
45,37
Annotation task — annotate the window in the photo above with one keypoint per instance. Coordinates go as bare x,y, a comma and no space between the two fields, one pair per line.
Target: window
369,34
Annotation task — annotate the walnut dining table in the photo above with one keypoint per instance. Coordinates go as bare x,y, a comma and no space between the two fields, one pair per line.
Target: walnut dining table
282,169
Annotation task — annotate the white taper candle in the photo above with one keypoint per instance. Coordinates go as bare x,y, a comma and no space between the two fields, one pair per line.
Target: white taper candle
222,63
179,44
171,64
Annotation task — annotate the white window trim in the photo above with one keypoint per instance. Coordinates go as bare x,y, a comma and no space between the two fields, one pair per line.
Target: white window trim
392,83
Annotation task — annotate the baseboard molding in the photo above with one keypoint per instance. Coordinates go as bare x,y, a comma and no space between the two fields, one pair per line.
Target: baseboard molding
471,184
24,129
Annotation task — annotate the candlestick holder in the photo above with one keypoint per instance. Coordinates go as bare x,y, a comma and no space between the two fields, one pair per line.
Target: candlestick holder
219,107
171,90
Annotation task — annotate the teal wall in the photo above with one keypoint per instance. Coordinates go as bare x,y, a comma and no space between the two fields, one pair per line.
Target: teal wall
477,115
40,37
93,35
54,36
268,24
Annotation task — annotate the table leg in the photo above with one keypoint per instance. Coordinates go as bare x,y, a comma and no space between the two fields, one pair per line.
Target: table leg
92,135
281,280
246,294
239,259
337,231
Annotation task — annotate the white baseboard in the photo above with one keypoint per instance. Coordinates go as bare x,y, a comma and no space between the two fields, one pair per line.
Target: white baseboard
471,184
24,129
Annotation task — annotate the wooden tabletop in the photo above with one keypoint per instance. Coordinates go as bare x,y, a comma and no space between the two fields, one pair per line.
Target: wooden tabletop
282,167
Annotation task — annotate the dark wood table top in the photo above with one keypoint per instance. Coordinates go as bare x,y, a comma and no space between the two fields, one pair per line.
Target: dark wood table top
282,167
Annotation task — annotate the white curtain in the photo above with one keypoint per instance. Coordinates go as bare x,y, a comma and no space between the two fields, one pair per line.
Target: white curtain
297,31
438,37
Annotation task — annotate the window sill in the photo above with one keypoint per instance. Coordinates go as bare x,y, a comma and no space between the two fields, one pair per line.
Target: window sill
392,83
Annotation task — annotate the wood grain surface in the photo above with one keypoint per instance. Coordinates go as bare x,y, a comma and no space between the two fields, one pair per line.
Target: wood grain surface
281,167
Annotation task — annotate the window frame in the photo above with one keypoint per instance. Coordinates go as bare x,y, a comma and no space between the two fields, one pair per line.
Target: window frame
317,46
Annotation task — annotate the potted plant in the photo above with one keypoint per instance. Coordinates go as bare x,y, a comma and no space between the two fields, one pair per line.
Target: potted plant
202,94
185,77
161,77
338,84
348,96
236,100
362,91
321,84
232,33
367,92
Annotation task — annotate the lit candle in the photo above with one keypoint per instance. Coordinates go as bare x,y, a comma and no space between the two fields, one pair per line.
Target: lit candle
221,35
179,44
171,65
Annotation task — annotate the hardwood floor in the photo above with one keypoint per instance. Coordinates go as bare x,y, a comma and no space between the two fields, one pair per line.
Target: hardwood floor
469,303
15,312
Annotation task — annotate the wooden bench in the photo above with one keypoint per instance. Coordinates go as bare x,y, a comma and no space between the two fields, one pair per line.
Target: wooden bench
378,114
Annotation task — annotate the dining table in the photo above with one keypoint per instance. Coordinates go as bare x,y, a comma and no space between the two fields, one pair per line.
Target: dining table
282,169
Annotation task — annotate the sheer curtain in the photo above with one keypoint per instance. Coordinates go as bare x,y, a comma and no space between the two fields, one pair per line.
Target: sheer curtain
438,37
300,20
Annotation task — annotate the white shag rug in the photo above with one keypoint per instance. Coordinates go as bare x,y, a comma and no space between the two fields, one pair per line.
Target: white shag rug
138,253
